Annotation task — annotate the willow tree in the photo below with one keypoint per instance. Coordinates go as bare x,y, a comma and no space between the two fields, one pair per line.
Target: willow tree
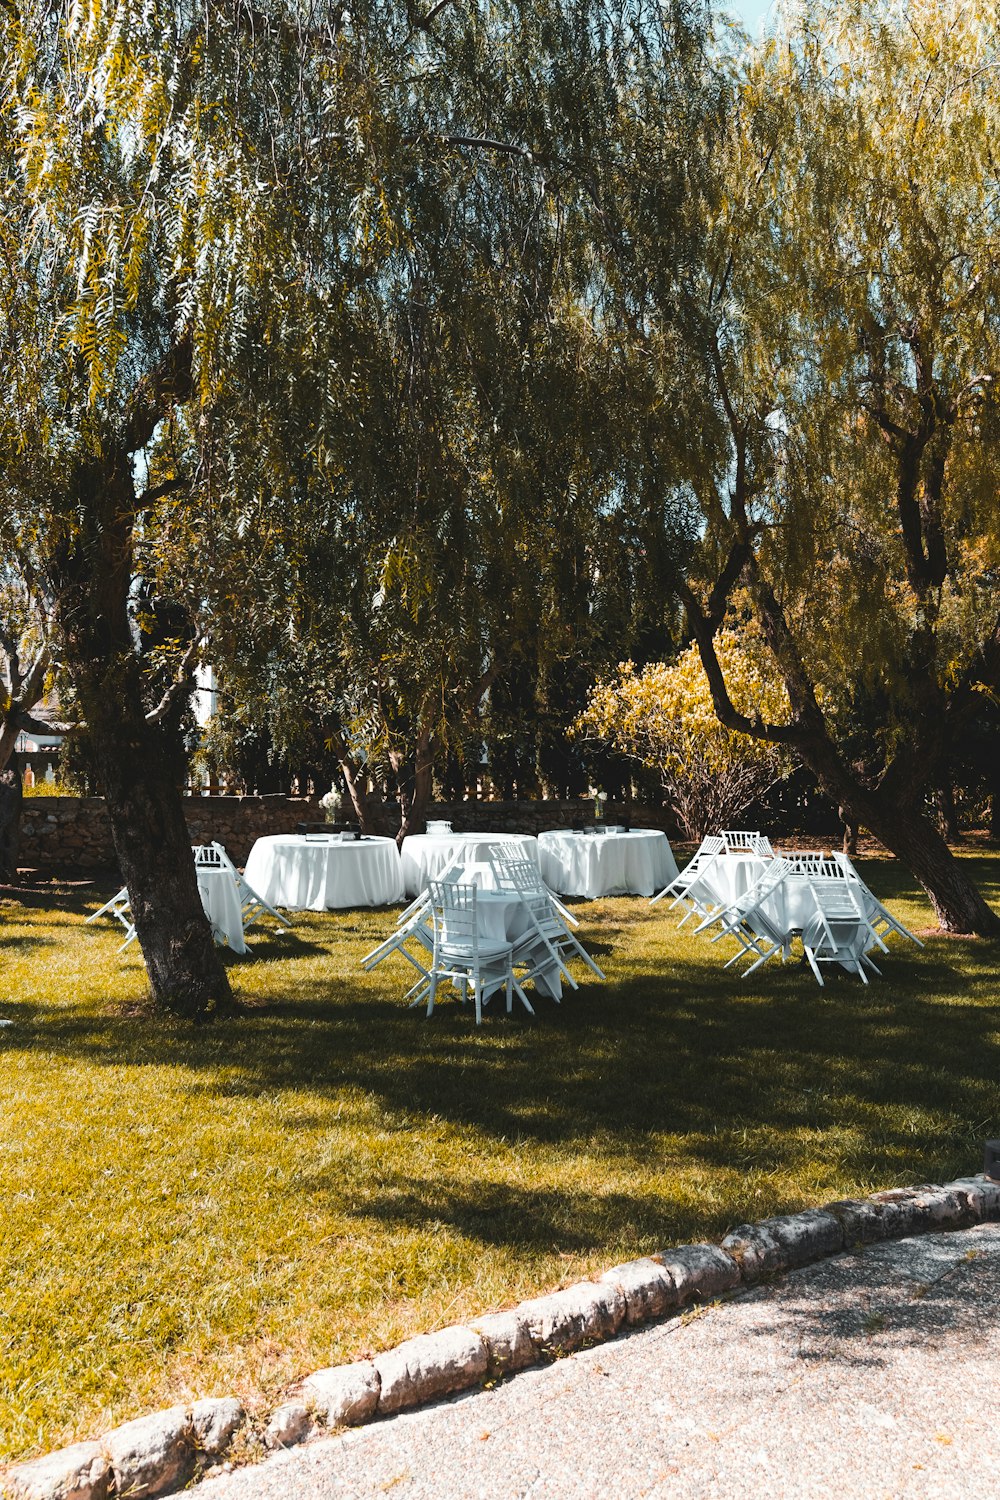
468,516
851,308
185,191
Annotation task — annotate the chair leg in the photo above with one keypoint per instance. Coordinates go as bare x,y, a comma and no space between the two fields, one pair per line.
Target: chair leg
815,967
478,990
523,998
432,991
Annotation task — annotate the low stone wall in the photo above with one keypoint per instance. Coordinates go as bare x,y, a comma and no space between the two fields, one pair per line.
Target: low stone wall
63,835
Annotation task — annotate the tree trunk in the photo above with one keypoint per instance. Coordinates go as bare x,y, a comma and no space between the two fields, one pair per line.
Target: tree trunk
947,813
136,760
994,817
367,805
10,823
850,833
153,846
915,840
416,786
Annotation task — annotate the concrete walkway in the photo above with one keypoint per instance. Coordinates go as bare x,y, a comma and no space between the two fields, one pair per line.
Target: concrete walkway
876,1374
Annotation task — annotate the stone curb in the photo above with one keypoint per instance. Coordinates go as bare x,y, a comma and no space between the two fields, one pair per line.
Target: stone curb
161,1453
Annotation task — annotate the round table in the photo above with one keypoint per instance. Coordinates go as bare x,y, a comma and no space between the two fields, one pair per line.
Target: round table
320,874
425,855
637,863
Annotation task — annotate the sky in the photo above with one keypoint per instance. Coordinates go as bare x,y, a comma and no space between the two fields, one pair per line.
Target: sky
750,12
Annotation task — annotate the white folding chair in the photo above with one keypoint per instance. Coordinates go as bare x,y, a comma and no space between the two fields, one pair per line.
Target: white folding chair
502,853
838,931
415,943
755,929
214,857
691,884
461,956
524,879
119,907
881,919
743,841
451,873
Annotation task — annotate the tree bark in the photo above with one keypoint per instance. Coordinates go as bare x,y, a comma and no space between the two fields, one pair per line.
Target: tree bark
947,813
10,822
136,762
416,785
367,805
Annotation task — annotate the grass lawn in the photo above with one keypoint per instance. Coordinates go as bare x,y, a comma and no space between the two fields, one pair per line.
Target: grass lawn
196,1211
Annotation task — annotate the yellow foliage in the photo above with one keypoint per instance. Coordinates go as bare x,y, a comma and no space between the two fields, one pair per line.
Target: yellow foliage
663,716
664,713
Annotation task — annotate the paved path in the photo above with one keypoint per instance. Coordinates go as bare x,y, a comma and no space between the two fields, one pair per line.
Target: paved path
876,1374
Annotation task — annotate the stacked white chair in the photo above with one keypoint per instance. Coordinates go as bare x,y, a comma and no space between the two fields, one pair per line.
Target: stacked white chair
461,956
881,919
839,932
414,935
502,853
214,857
749,922
549,932
692,885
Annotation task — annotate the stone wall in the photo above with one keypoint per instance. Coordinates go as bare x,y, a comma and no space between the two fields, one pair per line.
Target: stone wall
63,835
60,835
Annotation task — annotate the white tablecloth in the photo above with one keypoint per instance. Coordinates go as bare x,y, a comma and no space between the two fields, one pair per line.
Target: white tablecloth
638,863
425,855
318,874
220,897
730,875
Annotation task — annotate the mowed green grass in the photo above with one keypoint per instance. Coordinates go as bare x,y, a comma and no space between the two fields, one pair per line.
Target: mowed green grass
196,1211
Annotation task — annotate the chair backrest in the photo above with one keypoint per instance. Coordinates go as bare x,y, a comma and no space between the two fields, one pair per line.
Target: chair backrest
209,857
775,873
710,848
745,841
453,909
515,873
812,862
835,895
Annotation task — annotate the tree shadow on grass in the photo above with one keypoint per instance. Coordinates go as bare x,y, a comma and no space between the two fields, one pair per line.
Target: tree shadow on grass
673,1067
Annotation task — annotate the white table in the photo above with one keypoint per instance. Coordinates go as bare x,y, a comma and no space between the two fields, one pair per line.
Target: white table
220,897
638,863
319,874
731,875
425,855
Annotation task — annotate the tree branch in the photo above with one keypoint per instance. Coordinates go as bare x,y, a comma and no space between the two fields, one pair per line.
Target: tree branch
149,497
726,711
180,685
156,394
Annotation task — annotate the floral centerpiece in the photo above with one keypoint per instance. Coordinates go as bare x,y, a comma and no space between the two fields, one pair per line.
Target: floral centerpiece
332,804
599,800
